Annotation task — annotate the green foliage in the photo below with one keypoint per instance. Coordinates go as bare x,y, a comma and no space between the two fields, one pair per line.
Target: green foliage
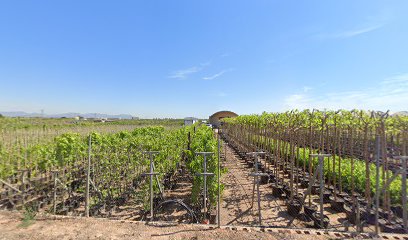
203,140
28,216
345,173
357,119
360,122
68,147
61,123
117,158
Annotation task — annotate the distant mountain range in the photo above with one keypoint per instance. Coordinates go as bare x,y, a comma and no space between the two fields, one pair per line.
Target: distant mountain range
66,115
402,113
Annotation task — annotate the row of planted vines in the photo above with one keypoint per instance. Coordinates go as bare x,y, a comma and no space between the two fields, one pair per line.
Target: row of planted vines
360,144
23,139
53,175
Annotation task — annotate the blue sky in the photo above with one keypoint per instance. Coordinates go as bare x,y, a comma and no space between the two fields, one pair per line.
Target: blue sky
192,58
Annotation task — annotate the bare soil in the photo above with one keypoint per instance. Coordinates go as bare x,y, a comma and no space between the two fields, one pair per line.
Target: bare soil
238,207
44,228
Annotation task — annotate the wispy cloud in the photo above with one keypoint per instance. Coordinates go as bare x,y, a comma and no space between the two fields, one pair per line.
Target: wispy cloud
401,79
350,33
356,32
391,93
181,74
184,73
219,74
307,89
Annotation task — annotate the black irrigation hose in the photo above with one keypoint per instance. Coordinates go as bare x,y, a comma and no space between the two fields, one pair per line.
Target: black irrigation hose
180,202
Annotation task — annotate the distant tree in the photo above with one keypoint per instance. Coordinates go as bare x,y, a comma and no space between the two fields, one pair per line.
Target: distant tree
1,116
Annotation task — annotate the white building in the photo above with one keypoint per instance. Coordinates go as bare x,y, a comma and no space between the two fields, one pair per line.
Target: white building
190,120
80,118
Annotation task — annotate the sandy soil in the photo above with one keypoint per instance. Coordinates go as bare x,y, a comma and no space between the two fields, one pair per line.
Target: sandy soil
45,228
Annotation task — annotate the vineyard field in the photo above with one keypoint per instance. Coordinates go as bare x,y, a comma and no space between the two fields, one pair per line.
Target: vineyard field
337,170
117,170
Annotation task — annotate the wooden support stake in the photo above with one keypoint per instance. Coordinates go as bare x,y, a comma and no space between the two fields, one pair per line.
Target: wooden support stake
321,180
54,202
10,186
377,182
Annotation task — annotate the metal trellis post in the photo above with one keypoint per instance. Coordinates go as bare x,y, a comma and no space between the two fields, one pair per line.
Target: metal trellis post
54,203
205,174
256,174
151,174
218,182
23,189
88,174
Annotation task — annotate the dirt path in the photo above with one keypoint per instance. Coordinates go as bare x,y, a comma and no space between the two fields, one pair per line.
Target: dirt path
237,200
92,228
236,206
